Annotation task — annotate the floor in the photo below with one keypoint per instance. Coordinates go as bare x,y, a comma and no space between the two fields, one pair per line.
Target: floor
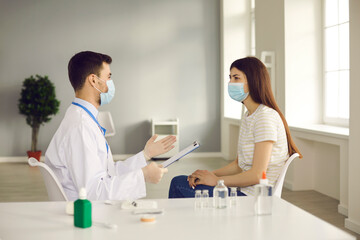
21,183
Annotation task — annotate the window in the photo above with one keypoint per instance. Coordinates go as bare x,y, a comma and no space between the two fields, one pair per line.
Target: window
238,41
252,28
336,62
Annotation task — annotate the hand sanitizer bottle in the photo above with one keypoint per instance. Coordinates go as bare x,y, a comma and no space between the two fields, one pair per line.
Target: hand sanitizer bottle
220,195
82,211
263,196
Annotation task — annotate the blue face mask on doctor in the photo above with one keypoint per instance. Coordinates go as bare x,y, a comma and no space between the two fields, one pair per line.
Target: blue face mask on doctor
106,97
236,91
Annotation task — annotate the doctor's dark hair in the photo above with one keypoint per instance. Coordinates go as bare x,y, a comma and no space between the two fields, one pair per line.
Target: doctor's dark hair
83,64
260,91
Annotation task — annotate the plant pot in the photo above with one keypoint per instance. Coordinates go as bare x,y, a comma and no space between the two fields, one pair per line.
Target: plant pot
36,155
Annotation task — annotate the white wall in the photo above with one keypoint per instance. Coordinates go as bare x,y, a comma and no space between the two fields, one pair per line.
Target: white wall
303,85
166,59
269,31
270,36
304,101
353,222
310,173
303,61
235,44
293,29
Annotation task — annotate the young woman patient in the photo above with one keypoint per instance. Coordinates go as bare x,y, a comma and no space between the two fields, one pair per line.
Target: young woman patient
264,143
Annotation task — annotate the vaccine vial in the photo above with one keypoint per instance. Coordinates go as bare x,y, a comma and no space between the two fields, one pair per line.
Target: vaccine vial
198,199
233,196
220,195
263,197
205,198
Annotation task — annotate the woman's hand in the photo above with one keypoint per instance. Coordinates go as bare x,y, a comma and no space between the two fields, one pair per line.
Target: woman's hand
192,181
203,177
164,145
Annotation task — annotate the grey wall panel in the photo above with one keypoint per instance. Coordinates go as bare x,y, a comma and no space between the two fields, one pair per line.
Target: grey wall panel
166,64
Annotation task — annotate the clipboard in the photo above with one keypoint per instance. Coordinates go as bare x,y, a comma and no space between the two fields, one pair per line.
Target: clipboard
181,154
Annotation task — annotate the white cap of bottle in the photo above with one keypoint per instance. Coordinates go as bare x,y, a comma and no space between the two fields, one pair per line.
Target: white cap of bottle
82,193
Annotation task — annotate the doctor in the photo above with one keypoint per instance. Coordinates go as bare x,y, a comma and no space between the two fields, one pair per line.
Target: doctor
79,153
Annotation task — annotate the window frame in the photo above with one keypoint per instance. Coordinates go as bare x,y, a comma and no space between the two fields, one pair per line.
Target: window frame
251,51
336,121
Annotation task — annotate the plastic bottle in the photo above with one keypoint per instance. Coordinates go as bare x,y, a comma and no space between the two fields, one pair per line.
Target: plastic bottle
198,199
82,210
263,196
205,198
233,196
220,195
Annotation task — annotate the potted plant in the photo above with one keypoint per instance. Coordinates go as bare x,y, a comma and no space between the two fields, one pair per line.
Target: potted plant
37,102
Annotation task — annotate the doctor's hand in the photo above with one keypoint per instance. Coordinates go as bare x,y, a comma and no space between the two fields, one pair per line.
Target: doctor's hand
164,145
153,172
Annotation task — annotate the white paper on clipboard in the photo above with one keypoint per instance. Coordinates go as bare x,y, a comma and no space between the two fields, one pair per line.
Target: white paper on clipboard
181,154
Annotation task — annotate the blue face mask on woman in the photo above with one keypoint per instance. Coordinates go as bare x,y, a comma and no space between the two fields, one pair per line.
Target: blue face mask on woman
106,98
236,91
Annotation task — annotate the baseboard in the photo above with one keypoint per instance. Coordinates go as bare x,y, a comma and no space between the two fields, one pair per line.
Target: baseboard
288,185
343,210
116,157
353,226
20,159
13,159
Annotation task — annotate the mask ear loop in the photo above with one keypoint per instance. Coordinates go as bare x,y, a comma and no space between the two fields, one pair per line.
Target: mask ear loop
96,87
101,81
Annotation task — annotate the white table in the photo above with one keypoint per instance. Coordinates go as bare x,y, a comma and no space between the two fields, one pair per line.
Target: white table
48,220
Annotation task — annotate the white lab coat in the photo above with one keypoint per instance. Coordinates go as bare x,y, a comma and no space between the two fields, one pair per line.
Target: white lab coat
78,155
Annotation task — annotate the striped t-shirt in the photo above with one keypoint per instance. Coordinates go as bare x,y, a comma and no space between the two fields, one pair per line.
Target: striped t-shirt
264,124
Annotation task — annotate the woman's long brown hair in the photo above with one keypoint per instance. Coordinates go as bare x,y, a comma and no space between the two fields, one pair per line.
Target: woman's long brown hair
260,91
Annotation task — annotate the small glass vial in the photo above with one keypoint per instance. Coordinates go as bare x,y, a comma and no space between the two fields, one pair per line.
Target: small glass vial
220,195
198,199
233,196
263,197
205,198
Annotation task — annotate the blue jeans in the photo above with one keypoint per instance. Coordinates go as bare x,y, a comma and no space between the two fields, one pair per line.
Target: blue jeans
179,188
